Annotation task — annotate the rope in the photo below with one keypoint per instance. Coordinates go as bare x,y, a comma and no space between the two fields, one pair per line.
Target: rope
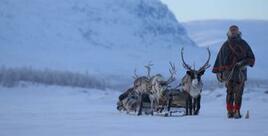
240,74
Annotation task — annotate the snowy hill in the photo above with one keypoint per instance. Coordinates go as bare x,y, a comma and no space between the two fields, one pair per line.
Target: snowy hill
102,37
212,33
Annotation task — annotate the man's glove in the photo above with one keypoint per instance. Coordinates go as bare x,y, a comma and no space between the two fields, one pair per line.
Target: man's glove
220,77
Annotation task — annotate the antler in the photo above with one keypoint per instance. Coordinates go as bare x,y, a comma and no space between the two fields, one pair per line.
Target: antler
135,76
185,65
206,65
148,67
172,72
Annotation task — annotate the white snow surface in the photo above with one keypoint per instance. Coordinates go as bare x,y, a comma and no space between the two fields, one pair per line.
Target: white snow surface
31,110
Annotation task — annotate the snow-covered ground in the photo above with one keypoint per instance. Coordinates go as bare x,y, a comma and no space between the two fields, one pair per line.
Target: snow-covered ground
52,111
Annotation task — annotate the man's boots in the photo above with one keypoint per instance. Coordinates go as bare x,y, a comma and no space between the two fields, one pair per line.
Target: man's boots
230,109
237,114
230,115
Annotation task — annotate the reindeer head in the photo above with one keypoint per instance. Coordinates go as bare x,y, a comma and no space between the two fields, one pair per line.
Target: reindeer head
156,83
159,84
142,83
195,75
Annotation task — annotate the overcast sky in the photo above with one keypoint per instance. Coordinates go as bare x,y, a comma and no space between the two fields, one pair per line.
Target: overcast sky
189,10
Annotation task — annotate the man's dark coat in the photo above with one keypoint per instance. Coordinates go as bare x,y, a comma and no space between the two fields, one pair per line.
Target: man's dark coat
232,52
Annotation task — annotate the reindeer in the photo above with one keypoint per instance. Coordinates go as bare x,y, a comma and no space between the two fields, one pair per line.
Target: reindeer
192,85
159,85
156,86
128,101
131,99
145,89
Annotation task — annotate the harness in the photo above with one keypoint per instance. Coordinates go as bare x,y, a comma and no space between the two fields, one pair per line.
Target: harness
228,76
231,74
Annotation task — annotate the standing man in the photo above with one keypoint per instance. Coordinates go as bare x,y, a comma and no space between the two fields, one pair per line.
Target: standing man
230,66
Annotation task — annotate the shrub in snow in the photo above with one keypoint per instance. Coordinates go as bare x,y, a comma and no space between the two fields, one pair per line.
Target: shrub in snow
10,77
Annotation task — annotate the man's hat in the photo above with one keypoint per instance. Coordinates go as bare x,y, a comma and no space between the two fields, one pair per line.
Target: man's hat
233,27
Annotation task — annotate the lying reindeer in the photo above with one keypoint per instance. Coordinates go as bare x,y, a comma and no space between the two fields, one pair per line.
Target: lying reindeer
192,85
130,100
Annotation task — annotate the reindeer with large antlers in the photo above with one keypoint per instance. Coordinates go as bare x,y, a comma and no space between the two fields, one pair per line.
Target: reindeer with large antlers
192,85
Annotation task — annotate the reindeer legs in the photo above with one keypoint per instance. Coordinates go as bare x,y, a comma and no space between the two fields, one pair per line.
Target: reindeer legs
140,105
197,105
189,103
152,104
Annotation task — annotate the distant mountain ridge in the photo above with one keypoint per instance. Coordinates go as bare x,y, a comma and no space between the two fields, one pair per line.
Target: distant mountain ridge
97,36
